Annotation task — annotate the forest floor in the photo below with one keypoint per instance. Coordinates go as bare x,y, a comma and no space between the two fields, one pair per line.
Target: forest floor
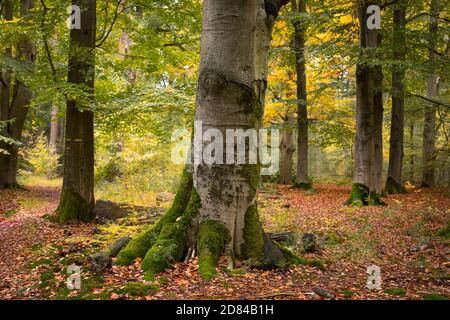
408,239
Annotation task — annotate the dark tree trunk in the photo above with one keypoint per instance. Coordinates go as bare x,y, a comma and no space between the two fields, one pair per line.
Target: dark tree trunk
369,113
302,179
412,157
394,183
14,101
429,128
77,196
287,149
377,165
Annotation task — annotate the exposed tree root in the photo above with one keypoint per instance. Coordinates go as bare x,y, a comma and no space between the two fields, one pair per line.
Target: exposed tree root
212,238
173,241
179,234
138,247
13,186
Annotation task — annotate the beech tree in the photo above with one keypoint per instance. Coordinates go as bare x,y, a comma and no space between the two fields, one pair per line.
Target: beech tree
394,182
15,97
429,127
369,114
77,195
302,179
287,149
215,208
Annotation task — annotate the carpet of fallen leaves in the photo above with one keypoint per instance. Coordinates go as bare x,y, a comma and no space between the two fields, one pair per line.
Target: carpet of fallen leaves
401,238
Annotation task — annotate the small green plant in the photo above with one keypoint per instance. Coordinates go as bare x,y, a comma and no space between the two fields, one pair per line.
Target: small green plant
137,289
10,213
434,296
347,293
445,232
46,278
43,159
396,292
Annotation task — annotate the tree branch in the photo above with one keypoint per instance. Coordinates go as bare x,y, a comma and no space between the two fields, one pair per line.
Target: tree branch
438,103
46,46
387,4
116,14
106,20
175,44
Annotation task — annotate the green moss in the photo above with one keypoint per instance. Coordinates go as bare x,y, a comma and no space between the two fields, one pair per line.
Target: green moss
253,173
170,245
445,232
137,289
40,262
46,278
36,246
359,195
347,293
163,280
9,213
139,246
434,296
392,187
212,238
375,199
302,186
89,282
362,196
253,246
396,291
72,207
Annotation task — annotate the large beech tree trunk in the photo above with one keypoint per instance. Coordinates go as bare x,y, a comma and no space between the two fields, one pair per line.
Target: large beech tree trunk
77,196
215,209
394,183
429,128
369,113
302,179
287,149
14,101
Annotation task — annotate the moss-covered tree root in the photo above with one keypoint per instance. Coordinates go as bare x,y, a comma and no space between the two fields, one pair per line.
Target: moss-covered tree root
180,230
393,187
173,240
212,238
362,196
138,247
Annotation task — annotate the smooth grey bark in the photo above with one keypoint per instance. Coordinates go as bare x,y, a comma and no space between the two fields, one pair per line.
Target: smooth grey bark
54,126
287,150
394,180
14,100
429,129
231,90
369,109
302,178
77,195
377,161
